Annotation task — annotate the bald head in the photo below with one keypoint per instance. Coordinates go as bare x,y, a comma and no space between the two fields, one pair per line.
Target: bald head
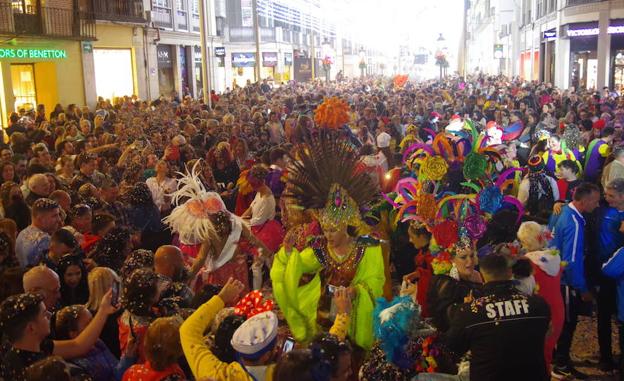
42,280
39,184
168,260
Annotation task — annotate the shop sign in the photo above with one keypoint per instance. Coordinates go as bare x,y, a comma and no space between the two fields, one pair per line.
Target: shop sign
33,53
549,35
269,59
302,69
243,59
595,31
163,53
288,59
219,51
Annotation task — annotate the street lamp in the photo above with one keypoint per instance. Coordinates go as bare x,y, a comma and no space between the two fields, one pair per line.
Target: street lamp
327,58
440,55
362,54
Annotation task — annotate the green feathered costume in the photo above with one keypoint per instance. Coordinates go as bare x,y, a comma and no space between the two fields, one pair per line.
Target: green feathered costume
320,167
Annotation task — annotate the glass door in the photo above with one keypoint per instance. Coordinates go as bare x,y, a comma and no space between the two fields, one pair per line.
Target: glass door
618,71
24,90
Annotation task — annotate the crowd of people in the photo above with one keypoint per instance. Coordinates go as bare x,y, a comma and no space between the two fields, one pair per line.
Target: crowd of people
372,229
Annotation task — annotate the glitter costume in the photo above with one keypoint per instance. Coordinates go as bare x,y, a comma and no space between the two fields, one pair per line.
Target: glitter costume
204,225
325,180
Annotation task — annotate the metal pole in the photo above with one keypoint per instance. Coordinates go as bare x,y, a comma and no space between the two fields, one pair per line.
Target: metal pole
254,5
313,55
203,32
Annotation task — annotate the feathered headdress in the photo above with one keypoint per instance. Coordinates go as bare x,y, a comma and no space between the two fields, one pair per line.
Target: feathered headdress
194,206
323,176
454,190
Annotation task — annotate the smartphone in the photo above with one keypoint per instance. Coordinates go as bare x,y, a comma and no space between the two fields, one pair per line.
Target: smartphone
289,344
331,289
115,293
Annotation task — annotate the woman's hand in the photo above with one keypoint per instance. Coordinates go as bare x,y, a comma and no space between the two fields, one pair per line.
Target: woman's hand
557,208
231,291
105,305
342,300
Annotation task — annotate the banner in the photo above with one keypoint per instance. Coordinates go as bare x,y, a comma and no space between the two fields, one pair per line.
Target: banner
269,59
243,59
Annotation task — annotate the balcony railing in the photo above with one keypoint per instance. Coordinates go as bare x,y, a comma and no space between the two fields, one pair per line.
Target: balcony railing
118,10
46,21
194,22
162,17
571,3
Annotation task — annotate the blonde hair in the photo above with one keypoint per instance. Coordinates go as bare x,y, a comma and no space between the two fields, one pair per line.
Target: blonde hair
162,342
100,281
529,235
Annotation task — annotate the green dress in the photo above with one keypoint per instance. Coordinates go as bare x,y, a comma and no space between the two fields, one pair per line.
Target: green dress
363,270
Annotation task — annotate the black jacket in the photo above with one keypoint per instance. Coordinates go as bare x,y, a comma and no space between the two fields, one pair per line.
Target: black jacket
504,329
442,293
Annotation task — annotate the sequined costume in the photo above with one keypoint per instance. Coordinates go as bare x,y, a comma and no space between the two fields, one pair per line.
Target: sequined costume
323,178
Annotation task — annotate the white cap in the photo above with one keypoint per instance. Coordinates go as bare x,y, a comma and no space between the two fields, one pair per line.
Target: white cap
255,334
383,140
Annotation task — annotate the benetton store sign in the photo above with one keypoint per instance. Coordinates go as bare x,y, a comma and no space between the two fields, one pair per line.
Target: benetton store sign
33,53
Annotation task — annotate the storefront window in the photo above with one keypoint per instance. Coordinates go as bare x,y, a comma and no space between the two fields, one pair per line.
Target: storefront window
584,70
24,6
165,69
113,72
618,71
24,91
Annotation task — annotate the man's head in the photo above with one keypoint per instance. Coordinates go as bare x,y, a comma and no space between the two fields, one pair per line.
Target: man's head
24,317
495,267
40,151
255,339
62,198
568,170
607,134
45,282
81,216
86,164
278,157
614,193
586,197
109,190
65,147
168,261
39,184
46,215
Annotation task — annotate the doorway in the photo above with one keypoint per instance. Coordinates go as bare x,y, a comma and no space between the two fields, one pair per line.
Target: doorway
24,89
584,69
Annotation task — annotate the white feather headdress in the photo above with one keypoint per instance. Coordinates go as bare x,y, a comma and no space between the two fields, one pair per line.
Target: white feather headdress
194,205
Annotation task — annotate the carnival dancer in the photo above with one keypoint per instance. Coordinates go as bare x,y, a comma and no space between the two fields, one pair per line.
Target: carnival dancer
324,179
221,240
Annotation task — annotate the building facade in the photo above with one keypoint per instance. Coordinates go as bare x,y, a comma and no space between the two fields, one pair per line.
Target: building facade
41,54
570,43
